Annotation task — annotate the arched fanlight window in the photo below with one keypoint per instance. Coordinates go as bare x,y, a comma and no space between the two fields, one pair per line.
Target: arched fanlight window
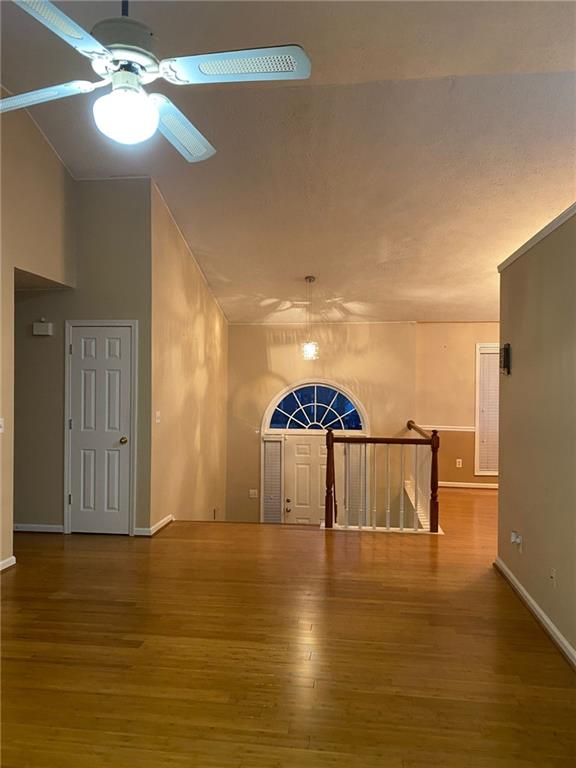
316,406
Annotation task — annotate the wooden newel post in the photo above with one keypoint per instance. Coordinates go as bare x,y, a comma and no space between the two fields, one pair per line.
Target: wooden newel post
434,483
329,502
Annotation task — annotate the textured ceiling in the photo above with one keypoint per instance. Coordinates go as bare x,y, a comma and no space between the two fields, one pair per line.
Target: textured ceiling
432,140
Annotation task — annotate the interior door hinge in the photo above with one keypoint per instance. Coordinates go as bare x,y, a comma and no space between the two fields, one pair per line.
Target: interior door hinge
69,423
70,349
69,498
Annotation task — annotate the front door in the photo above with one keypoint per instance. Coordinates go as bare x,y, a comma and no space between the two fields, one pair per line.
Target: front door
100,408
305,478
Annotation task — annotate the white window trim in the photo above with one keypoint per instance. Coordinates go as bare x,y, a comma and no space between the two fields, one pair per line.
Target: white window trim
482,347
70,325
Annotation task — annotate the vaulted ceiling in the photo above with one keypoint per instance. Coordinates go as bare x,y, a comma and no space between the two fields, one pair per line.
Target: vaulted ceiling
431,141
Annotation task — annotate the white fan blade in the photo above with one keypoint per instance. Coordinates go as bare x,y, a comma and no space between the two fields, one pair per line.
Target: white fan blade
23,100
286,62
179,131
73,34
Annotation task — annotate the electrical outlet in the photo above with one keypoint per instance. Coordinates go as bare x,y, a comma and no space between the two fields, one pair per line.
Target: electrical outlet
459,463
516,538
157,417
253,493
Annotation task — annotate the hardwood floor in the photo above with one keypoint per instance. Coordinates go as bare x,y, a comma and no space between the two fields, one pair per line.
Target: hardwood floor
219,645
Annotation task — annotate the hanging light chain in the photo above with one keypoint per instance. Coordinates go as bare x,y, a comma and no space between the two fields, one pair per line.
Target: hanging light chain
309,348
309,280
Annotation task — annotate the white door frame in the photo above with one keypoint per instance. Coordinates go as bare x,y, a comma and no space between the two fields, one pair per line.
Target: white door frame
70,325
266,433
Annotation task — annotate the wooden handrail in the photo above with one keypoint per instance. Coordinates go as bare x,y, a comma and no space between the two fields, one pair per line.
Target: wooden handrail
412,425
432,439
384,440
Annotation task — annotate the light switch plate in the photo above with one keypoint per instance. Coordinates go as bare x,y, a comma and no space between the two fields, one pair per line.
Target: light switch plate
1,426
253,493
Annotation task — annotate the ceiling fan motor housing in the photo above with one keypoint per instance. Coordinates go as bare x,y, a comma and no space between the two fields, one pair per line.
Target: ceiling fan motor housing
131,42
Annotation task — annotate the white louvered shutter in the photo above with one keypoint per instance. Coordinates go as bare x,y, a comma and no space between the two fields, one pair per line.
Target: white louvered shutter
272,479
487,409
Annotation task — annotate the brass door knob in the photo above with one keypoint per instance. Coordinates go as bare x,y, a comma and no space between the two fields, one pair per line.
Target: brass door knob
123,440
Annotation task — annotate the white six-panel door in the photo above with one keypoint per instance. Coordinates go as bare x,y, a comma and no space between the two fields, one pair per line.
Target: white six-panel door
100,428
305,478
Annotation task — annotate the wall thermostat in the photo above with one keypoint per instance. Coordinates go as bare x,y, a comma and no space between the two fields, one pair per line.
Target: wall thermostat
42,328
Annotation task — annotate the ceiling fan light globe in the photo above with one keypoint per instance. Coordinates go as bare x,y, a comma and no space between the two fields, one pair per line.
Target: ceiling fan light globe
126,115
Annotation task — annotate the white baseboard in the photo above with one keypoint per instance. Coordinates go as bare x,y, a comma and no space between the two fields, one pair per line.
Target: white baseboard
38,528
155,528
446,484
567,649
8,563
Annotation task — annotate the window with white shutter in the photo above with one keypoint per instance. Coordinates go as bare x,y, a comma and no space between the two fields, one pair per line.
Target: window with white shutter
272,481
487,386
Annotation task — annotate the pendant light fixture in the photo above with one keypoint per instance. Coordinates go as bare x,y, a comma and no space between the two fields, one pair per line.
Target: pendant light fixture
309,347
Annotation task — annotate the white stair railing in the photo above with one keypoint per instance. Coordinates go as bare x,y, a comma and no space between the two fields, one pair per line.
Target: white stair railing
400,471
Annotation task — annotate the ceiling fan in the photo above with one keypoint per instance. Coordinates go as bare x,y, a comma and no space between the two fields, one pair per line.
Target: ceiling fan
120,50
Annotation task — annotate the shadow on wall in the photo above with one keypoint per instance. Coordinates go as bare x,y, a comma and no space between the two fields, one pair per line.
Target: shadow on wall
374,362
189,389
355,357
335,309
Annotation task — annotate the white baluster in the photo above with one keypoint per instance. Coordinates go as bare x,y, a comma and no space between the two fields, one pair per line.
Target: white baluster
361,491
348,460
388,484
374,476
415,487
402,487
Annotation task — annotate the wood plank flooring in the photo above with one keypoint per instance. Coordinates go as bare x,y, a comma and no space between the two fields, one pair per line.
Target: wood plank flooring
219,645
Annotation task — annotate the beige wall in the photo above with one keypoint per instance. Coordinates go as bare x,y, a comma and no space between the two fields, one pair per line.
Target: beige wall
459,445
189,381
113,282
446,370
446,391
538,424
37,236
375,362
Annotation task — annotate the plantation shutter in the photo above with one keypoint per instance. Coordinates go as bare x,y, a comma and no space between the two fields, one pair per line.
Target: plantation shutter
272,479
487,410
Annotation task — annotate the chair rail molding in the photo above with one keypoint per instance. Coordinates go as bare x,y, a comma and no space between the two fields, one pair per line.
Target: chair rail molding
444,428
